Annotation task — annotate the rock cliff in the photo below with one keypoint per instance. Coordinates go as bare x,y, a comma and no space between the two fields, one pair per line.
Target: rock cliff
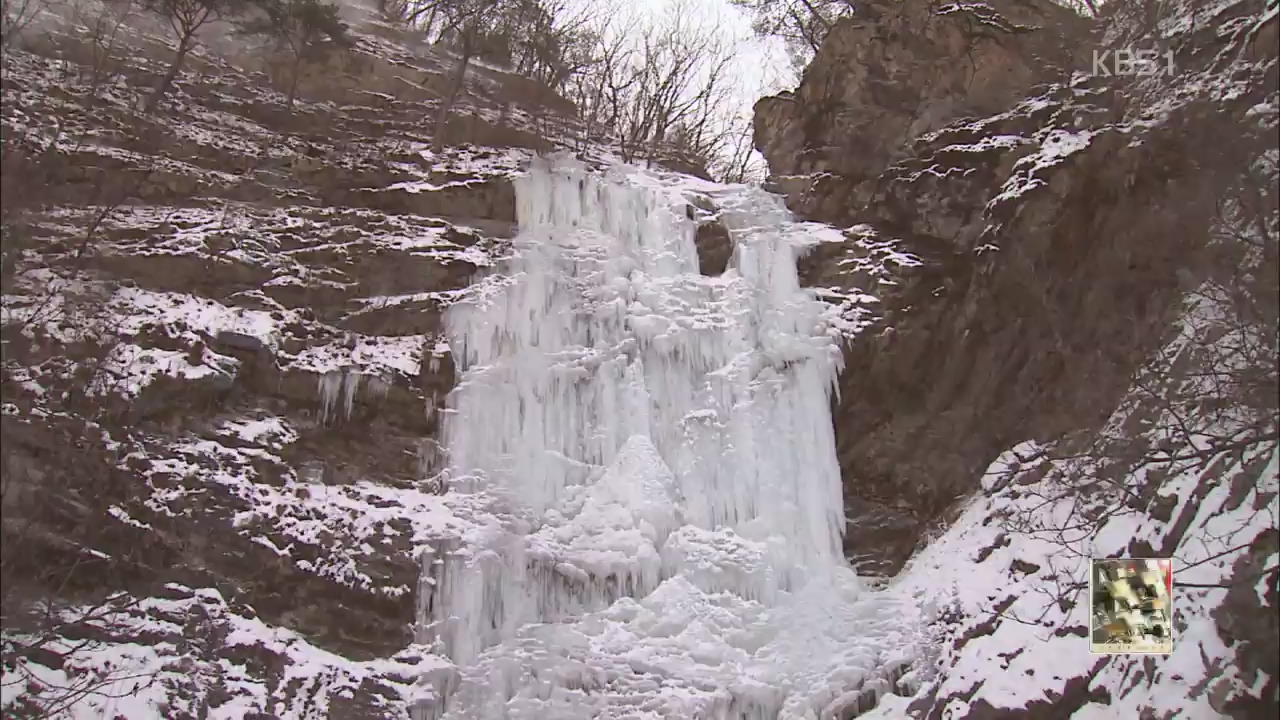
1031,242
223,356
1051,218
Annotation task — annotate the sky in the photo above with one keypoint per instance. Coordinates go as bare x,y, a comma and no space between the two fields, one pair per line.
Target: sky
763,63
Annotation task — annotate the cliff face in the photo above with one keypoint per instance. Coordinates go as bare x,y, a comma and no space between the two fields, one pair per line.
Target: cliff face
895,71
1051,220
222,359
1051,277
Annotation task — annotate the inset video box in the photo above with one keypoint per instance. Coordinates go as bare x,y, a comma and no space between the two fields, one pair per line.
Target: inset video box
1131,605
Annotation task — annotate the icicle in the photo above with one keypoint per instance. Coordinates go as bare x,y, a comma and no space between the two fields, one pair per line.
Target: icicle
329,385
338,390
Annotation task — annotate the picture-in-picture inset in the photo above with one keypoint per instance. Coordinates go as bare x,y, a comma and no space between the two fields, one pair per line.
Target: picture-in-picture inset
1131,608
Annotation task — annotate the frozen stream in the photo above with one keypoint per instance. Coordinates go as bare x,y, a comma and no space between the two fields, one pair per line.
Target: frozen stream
650,456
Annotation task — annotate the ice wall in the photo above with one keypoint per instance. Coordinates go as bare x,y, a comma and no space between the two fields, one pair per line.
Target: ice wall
626,422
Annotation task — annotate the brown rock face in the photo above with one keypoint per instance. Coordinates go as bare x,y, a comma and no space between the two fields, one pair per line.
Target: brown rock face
898,70
244,371
1051,234
1245,620
714,247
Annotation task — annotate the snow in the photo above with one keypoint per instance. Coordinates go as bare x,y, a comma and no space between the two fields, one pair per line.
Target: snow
354,525
176,676
376,355
120,514
475,161
270,431
1027,654
658,537
988,142
128,369
189,316
1056,144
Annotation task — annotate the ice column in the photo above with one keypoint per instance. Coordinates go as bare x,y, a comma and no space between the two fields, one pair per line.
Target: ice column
627,419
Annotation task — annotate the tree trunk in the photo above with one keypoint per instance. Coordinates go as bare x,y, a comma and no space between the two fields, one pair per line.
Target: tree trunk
293,79
184,47
459,76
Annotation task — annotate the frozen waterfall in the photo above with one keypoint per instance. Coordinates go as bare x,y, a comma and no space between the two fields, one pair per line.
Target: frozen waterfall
648,458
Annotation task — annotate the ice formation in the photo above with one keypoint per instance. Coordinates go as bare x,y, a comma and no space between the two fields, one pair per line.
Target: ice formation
654,453
338,390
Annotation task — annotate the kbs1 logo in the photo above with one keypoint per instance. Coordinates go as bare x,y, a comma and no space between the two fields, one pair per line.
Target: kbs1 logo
1132,62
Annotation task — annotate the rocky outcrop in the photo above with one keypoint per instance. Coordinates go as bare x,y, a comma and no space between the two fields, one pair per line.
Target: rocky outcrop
223,361
1053,222
987,610
895,71
1039,257
711,238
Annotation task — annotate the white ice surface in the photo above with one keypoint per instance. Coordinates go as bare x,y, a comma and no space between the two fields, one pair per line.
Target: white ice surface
654,449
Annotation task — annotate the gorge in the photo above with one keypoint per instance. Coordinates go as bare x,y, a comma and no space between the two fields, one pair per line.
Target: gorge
308,416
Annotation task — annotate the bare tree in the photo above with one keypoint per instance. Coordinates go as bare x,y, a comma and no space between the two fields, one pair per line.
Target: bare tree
15,16
308,30
1210,396
598,94
801,24
738,161
551,40
46,643
663,85
102,24
54,611
185,18
461,25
